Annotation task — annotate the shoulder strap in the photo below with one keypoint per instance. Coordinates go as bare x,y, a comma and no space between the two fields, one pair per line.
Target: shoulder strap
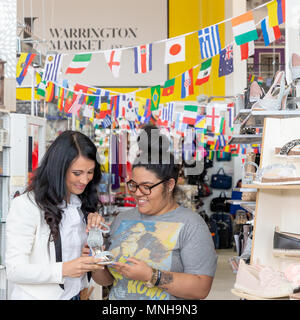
221,169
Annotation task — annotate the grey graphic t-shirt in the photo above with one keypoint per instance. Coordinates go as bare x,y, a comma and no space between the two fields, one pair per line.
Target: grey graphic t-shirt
177,241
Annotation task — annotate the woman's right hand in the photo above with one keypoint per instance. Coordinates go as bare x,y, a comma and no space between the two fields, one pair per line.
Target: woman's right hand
77,267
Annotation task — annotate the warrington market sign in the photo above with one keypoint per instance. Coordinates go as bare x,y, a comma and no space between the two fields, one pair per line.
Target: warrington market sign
90,39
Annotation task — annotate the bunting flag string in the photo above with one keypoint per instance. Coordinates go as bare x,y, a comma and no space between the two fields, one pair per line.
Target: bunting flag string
86,99
280,12
208,38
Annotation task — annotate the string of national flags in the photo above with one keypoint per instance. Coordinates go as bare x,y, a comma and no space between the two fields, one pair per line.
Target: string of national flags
106,108
243,28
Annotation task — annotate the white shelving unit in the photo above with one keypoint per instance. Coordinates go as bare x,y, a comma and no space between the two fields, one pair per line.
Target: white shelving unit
276,205
23,126
14,159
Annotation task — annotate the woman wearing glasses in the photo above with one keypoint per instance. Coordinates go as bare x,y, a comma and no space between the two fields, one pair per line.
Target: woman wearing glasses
163,251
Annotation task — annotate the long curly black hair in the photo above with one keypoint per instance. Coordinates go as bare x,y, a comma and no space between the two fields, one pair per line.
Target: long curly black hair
48,183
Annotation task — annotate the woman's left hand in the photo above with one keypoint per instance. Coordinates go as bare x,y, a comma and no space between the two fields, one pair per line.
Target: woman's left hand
93,220
135,269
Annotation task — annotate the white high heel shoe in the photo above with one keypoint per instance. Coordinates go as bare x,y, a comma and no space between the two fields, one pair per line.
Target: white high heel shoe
287,91
273,98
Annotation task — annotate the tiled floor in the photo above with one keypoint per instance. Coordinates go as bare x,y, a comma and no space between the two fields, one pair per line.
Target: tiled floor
224,277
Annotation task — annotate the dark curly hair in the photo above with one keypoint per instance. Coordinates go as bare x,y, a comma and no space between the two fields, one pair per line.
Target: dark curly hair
48,183
154,155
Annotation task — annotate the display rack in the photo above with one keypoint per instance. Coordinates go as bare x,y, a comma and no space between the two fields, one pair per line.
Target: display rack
256,118
246,139
15,156
249,207
241,116
276,205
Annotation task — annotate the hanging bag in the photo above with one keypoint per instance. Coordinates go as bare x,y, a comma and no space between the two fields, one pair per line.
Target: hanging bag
219,203
220,180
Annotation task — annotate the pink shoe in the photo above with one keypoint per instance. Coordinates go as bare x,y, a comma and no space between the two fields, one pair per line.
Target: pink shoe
292,273
262,281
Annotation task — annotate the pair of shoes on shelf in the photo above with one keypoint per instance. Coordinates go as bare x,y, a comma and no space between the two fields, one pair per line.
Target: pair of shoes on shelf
276,97
253,94
286,244
277,174
262,281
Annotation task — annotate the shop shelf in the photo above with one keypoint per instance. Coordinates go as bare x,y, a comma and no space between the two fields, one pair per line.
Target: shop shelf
240,202
241,116
256,118
250,207
246,139
247,296
273,186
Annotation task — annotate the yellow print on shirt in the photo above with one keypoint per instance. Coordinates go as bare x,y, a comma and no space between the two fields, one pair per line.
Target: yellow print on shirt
149,241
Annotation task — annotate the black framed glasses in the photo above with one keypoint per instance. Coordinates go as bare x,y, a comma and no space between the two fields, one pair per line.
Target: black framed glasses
144,188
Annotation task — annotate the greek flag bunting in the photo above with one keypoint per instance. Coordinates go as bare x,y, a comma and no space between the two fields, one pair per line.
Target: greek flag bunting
209,40
106,121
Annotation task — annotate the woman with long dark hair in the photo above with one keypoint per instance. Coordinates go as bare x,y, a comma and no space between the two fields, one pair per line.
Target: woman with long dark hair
47,226
162,250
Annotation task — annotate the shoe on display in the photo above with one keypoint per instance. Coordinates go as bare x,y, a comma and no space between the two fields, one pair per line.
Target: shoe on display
295,66
292,273
286,243
286,93
277,174
273,98
290,149
253,94
262,281
295,296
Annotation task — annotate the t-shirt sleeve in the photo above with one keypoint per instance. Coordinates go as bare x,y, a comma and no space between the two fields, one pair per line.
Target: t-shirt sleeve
197,252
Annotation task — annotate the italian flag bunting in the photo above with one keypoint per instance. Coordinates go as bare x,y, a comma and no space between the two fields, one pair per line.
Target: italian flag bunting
79,63
190,114
204,72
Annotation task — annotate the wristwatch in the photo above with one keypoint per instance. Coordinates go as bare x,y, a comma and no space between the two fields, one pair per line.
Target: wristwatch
151,283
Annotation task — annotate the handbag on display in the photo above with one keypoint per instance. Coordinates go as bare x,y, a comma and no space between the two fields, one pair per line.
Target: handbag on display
204,190
220,180
219,203
223,156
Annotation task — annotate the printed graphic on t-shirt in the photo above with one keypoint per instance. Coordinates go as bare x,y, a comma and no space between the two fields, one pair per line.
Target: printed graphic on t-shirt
149,241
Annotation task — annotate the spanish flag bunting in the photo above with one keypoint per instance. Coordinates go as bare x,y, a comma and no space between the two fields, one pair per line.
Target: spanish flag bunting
103,110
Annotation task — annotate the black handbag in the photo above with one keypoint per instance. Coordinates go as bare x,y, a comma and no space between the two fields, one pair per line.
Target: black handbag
221,180
219,203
